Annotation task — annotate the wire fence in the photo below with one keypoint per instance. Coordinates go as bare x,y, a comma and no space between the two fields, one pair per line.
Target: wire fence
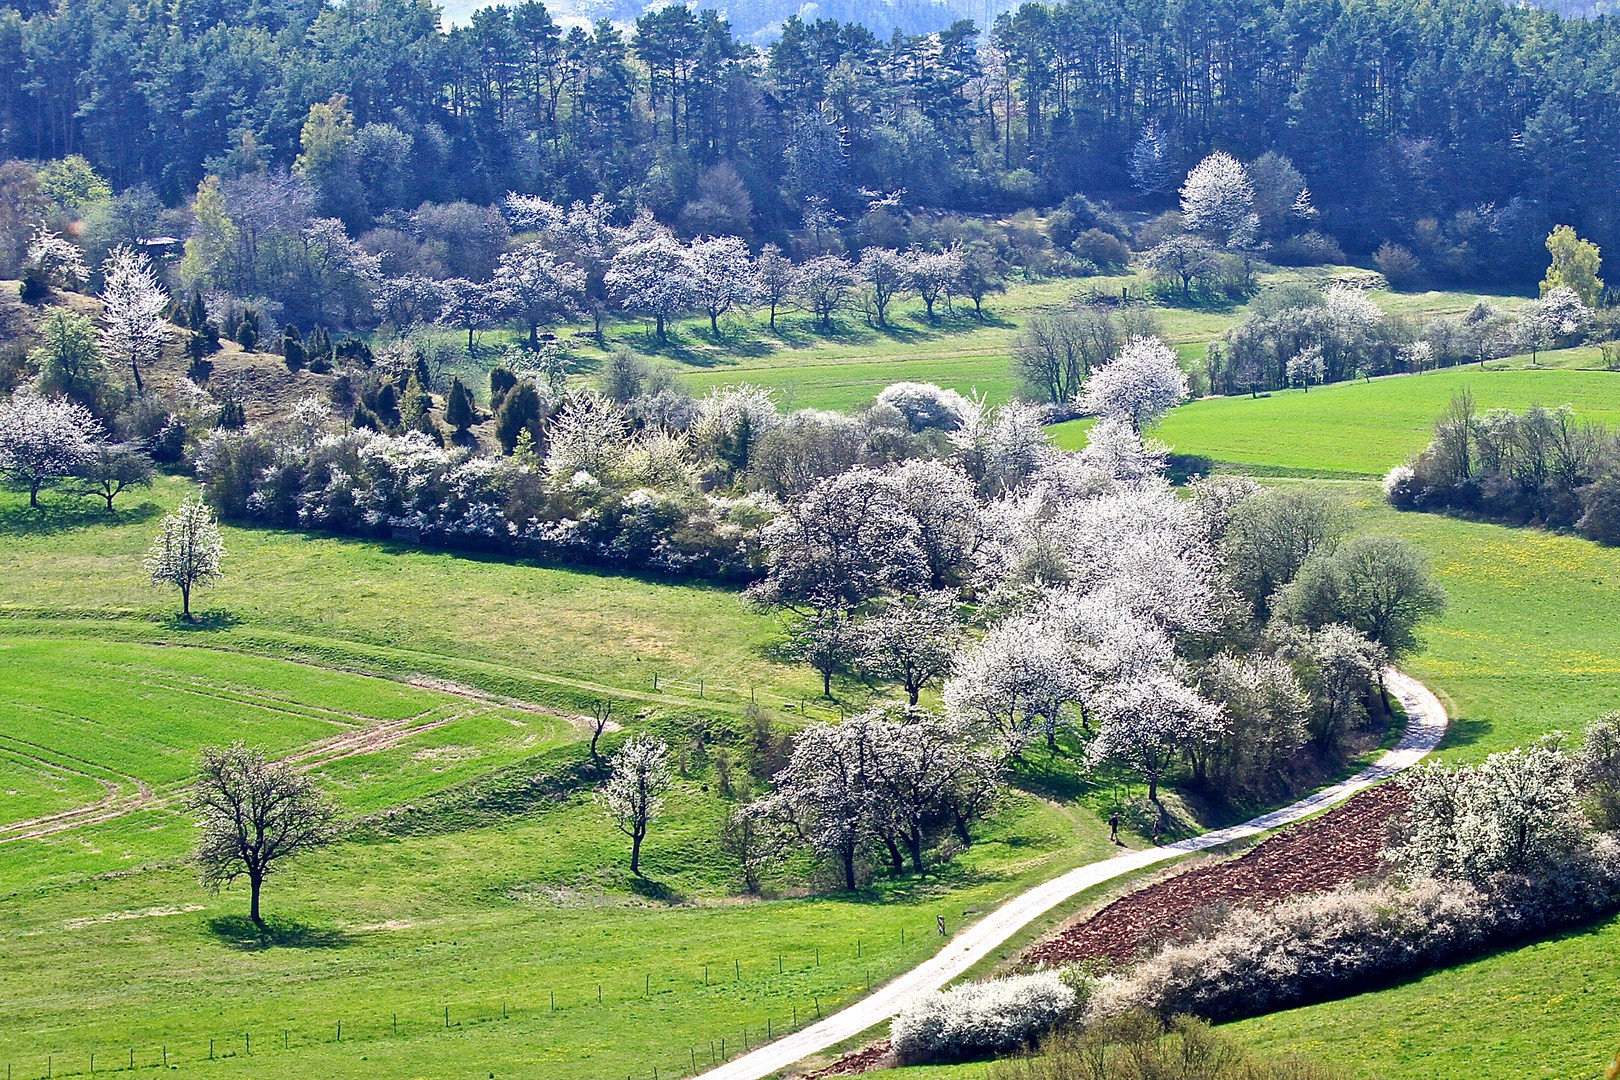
705,690
786,1011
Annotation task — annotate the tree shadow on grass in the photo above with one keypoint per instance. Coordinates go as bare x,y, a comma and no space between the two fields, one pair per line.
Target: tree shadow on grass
239,932
1461,732
204,621
655,890
58,515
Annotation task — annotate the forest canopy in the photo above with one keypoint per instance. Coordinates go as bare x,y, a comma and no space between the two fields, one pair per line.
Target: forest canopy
1461,131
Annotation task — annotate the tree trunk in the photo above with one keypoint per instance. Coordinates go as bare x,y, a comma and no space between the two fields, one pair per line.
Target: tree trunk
136,368
635,853
534,336
469,339
659,322
33,494
961,826
254,882
912,690
914,842
714,325
826,684
897,862
185,602
773,315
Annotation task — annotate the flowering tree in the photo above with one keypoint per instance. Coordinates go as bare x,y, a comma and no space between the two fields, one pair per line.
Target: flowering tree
654,276
885,273
1182,258
823,286
912,641
1516,812
1218,199
187,552
539,289
472,305
132,302
589,434
722,276
1017,682
731,422
774,278
1147,722
933,274
54,260
849,540
44,439
1141,385
633,797
1150,164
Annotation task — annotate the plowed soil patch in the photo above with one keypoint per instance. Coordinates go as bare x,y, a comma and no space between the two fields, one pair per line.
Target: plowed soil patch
1335,849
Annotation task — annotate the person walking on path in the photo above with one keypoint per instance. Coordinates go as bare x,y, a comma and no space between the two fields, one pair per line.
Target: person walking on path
1113,827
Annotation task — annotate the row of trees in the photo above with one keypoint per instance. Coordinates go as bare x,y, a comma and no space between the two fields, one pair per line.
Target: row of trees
1543,466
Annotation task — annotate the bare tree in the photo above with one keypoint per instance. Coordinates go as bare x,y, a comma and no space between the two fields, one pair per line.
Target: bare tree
255,814
110,469
1054,354
601,716
634,795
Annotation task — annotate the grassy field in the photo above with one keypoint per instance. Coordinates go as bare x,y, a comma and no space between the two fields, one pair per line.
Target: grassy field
1547,1010
111,947
529,620
1361,428
845,368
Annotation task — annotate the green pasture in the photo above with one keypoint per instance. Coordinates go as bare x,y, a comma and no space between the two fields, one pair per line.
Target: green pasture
1551,1009
845,367
110,946
1361,428
455,614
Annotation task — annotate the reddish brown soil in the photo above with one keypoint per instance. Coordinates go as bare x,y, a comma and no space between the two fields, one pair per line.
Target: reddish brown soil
1335,849
869,1057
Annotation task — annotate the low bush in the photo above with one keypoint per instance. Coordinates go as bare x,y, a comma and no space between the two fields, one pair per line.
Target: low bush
995,1017
1137,1046
1318,947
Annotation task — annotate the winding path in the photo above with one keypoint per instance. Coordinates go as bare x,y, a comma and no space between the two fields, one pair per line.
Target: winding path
1426,724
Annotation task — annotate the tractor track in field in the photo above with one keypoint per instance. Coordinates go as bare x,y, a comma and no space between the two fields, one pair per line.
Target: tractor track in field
120,800
117,801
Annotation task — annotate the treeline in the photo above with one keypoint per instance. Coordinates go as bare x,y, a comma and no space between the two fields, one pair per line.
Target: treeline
1443,128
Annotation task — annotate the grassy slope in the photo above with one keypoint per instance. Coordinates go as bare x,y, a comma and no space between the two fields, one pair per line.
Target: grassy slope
109,943
1361,428
1547,1010
843,369
614,630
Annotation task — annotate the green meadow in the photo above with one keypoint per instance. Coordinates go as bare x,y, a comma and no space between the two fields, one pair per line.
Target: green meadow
1360,428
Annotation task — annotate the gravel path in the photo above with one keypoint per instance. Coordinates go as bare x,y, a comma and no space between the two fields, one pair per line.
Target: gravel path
1426,724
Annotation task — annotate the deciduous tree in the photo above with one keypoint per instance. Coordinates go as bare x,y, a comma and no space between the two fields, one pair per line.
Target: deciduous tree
633,797
44,439
187,552
255,814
